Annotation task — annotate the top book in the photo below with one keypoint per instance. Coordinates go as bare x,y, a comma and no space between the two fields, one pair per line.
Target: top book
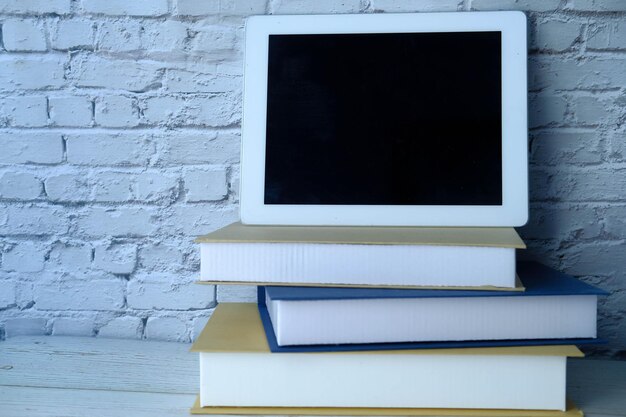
403,257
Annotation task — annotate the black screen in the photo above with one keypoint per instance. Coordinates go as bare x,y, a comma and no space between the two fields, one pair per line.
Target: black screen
384,119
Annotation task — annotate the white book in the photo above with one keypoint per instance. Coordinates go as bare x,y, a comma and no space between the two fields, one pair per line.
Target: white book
361,256
553,306
238,370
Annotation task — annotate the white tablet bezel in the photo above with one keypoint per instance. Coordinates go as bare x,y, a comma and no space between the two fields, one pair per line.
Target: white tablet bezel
513,211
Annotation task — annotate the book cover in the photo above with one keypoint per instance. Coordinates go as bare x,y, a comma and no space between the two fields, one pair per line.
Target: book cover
505,237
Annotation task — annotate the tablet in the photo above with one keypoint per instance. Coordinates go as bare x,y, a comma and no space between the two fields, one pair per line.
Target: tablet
385,119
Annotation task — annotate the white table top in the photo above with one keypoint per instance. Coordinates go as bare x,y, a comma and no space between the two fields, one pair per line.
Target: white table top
43,376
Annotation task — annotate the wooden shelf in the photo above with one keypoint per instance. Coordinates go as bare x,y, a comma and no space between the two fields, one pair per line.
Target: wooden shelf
47,376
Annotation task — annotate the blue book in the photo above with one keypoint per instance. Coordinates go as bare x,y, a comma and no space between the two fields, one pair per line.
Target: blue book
555,308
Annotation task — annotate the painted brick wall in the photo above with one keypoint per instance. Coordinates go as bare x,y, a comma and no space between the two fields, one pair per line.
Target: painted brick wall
119,141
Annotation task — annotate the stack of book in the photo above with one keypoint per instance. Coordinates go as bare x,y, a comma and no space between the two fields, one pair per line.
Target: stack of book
388,321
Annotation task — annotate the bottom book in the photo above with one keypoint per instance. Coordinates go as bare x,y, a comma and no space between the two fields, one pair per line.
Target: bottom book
570,411
237,369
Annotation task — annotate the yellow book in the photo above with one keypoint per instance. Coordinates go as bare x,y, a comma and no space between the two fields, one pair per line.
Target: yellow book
238,370
403,257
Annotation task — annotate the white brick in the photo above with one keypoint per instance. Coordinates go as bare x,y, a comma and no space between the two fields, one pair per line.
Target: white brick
198,325
235,182
598,5
554,35
210,111
35,6
127,327
167,292
241,7
590,184
530,5
546,110
192,258
24,294
168,329
106,186
25,327
557,73
615,219
115,74
20,185
160,257
70,111
540,184
612,325
117,222
166,40
195,82
215,40
109,149
399,6
31,73
166,110
33,221
609,37
112,186
224,7
7,293
31,148
88,293
204,148
570,222
597,259
24,257
116,258
116,111
318,6
24,111
203,185
236,294
73,34
617,146
70,257
67,187
23,35
590,110
119,36
199,219
230,68
73,327
555,147
155,187
123,7
197,8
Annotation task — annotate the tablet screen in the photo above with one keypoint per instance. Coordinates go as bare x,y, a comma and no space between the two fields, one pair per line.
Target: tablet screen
384,119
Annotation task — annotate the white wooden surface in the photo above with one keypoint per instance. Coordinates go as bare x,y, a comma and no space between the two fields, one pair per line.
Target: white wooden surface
89,377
